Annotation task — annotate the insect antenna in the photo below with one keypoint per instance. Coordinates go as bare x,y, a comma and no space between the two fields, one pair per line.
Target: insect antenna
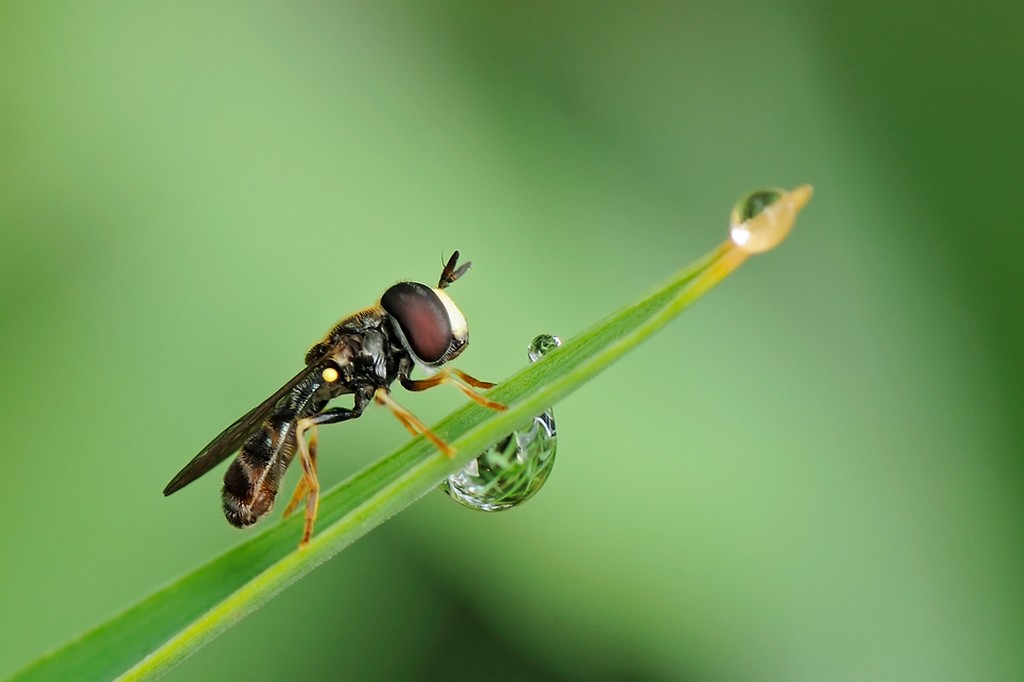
451,273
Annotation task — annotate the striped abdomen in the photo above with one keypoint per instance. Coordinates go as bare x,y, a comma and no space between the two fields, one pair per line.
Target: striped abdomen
252,480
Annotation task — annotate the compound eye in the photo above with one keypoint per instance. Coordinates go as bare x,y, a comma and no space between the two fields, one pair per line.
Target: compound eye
422,318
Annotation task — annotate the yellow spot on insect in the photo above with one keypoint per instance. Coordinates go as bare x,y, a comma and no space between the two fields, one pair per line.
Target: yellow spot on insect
330,375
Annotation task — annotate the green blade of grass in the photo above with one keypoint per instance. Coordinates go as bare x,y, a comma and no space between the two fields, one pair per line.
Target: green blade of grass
152,636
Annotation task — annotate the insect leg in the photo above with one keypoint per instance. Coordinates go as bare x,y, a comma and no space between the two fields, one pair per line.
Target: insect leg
411,421
458,379
309,485
302,488
309,479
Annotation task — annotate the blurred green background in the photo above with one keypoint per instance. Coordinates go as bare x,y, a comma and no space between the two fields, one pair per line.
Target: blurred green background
814,474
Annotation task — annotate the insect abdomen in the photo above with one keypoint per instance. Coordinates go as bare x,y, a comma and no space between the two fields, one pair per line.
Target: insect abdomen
252,480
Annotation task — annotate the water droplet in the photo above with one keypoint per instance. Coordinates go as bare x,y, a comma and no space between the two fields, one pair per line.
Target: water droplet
512,471
762,219
541,345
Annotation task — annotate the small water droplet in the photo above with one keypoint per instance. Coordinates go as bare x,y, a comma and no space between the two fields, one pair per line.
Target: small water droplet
762,219
513,470
541,345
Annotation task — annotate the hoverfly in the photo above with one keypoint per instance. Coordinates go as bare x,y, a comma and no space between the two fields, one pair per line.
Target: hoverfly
362,355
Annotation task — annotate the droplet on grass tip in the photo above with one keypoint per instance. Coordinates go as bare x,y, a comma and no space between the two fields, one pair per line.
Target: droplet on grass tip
761,220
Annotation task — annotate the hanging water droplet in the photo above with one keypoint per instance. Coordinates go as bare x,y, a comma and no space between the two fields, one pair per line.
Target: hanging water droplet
762,219
512,471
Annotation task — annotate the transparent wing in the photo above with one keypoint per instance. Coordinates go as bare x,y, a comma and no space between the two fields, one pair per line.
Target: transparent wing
232,438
